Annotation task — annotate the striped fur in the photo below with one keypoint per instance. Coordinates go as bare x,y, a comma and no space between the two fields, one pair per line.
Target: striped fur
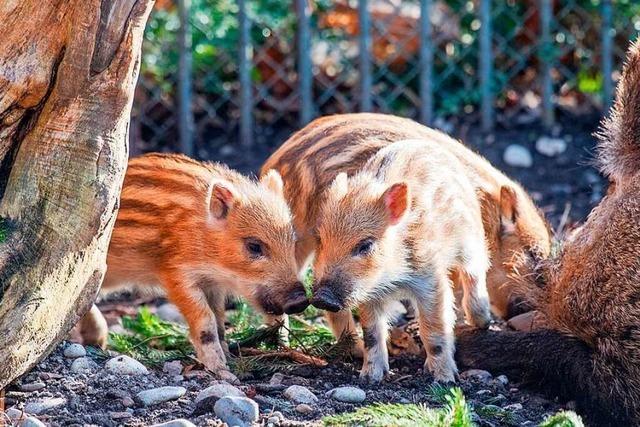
311,158
194,228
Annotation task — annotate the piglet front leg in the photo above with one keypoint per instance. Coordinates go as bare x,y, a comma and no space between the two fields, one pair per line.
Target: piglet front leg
375,330
203,327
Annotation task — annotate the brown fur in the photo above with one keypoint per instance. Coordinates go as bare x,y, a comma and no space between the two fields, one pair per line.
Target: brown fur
193,228
311,158
591,296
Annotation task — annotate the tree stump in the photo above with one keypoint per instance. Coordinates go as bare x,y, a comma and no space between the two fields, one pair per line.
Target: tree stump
68,69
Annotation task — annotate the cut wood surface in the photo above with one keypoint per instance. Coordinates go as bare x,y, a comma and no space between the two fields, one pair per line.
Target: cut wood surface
68,69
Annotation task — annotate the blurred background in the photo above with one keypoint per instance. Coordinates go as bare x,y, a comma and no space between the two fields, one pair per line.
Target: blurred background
524,82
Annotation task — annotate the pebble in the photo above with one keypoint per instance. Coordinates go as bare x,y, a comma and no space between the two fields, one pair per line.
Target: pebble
276,379
180,422
73,351
551,147
32,422
41,406
119,415
483,392
125,365
170,313
128,402
300,394
405,400
513,407
518,156
14,414
219,391
83,365
172,368
502,379
478,374
304,409
158,395
29,387
347,394
237,411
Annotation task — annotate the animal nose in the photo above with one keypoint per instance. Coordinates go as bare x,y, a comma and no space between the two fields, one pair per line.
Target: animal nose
296,302
326,299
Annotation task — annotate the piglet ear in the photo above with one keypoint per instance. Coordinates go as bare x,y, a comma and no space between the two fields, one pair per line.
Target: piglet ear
223,198
508,208
273,181
396,201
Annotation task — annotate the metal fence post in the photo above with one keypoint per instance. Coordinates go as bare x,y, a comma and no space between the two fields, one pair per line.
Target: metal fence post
546,60
426,64
185,72
305,75
246,96
365,55
607,54
486,65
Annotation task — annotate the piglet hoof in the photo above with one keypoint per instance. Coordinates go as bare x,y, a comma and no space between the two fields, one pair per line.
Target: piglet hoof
373,374
226,375
443,371
481,317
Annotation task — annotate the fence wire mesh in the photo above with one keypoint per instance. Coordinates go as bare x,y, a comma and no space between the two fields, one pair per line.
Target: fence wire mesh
304,59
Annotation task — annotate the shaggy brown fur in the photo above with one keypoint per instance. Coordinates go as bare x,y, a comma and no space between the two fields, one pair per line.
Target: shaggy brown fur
592,294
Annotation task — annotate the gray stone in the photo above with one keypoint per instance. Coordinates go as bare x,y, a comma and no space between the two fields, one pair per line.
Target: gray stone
119,415
35,386
513,407
128,402
218,391
276,379
478,374
172,368
73,351
170,313
125,365
41,406
347,394
159,395
518,156
237,411
180,422
14,414
83,365
551,147
32,422
300,394
304,409
502,379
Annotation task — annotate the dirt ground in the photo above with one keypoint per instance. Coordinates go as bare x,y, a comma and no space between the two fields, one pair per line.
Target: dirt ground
565,186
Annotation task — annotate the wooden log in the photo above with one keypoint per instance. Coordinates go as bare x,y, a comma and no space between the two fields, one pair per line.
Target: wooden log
68,69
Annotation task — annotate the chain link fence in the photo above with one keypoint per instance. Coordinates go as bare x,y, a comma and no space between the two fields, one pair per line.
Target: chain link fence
222,74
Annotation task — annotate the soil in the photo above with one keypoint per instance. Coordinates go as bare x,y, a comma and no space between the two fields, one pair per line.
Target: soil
565,185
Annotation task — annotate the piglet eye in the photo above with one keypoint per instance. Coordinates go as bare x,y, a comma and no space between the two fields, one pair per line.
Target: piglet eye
254,247
364,247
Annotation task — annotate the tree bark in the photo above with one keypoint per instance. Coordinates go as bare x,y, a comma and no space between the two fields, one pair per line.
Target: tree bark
68,69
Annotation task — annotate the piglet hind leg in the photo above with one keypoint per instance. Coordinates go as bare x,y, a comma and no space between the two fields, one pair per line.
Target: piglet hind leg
475,301
93,328
436,317
375,364
203,327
